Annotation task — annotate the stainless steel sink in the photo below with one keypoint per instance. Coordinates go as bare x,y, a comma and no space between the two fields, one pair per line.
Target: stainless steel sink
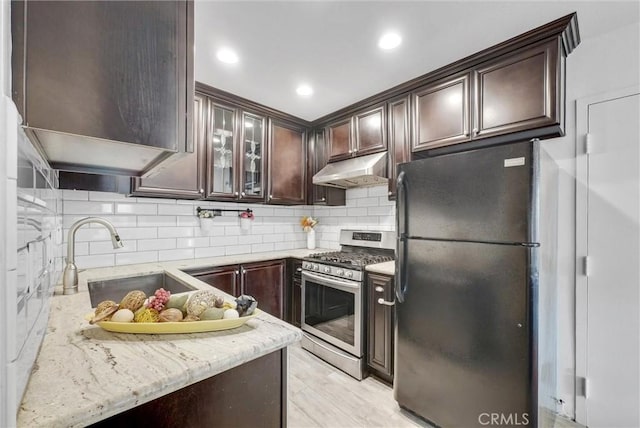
116,289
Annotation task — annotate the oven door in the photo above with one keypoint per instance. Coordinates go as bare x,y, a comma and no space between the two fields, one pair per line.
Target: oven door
332,311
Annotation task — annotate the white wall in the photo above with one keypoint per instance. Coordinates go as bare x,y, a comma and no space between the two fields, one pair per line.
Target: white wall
599,64
168,229
6,415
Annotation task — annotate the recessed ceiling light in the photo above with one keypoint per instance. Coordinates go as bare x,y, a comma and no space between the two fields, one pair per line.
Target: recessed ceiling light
227,56
389,41
304,90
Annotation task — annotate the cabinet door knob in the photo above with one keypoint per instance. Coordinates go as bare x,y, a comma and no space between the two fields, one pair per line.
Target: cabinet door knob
390,192
237,272
350,151
270,196
379,289
242,194
298,269
323,199
235,194
475,131
381,301
201,190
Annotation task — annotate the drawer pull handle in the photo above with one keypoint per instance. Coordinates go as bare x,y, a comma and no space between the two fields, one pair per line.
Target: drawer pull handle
381,301
379,289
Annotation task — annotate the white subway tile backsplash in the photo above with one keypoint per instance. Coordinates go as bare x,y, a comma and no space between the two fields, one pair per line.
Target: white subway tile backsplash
103,260
386,210
157,244
356,212
368,202
209,252
139,257
181,254
108,196
219,241
128,233
378,191
278,246
192,242
147,209
236,249
183,210
358,192
106,247
157,221
175,232
81,207
75,195
260,248
156,229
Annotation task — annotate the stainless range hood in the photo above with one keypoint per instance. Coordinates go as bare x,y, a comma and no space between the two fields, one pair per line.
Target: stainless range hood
369,170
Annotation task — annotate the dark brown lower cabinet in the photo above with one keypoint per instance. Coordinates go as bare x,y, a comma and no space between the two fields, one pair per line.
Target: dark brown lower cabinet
224,278
251,395
263,280
380,326
293,306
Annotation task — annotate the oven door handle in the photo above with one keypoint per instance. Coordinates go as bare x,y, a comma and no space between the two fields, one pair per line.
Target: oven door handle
336,283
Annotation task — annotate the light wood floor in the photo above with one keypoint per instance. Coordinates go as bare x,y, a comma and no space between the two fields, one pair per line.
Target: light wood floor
322,396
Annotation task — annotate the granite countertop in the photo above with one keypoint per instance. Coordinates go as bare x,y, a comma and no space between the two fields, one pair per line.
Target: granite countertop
84,374
386,268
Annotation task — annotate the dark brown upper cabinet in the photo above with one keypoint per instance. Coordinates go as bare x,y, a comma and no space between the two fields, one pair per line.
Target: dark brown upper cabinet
398,129
370,132
318,159
185,178
287,170
340,139
518,91
442,113
361,134
252,157
105,87
222,151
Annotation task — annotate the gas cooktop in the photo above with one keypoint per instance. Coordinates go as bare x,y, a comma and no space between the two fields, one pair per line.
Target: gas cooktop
351,259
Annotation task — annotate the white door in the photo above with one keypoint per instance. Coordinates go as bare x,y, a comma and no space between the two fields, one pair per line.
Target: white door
608,288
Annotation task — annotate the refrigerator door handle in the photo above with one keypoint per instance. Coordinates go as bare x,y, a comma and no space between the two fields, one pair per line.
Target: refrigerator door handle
401,244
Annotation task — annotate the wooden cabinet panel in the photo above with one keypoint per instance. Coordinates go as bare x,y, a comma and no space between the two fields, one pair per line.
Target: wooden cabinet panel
225,278
370,132
252,157
230,399
265,282
340,144
91,73
442,113
380,325
222,151
287,164
318,158
398,129
185,178
518,92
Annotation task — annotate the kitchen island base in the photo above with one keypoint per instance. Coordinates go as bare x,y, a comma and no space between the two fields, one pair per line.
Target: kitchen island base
251,395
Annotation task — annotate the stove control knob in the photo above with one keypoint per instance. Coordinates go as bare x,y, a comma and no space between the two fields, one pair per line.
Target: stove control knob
340,272
315,267
349,274
327,269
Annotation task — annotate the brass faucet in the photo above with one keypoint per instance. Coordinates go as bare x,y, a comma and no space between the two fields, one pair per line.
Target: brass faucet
70,275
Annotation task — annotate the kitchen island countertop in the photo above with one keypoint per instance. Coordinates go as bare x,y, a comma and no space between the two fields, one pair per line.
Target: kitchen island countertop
84,374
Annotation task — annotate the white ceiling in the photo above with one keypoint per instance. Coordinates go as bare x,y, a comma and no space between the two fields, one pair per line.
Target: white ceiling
333,45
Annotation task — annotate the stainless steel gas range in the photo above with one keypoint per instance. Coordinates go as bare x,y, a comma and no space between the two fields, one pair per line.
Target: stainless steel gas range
333,297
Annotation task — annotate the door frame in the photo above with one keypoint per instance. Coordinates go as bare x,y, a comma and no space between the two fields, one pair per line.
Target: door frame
582,199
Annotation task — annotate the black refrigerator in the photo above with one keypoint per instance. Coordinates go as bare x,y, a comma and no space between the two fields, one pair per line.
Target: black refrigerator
475,287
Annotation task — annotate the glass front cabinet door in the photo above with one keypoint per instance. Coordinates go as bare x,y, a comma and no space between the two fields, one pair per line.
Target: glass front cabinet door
252,157
222,182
